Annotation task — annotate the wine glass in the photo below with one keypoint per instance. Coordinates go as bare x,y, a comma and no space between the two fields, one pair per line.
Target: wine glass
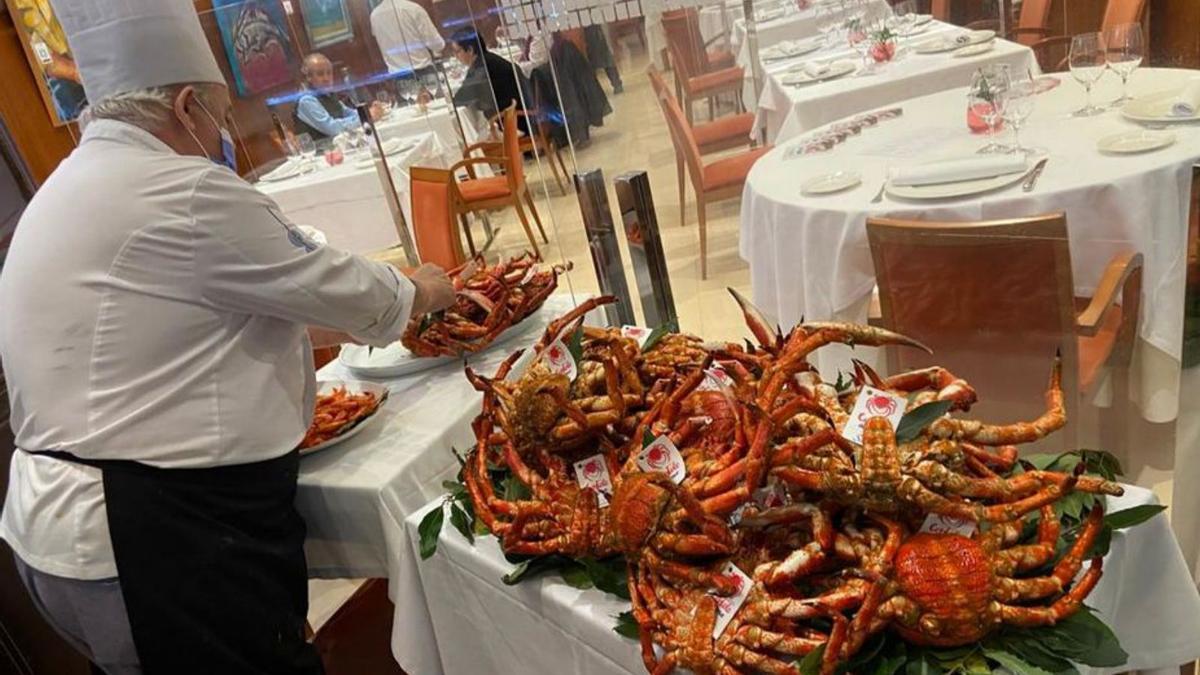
987,97
308,149
1087,66
1018,106
1124,50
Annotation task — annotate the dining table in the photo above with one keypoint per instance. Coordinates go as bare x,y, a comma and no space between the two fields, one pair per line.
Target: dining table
346,202
480,624
786,109
355,495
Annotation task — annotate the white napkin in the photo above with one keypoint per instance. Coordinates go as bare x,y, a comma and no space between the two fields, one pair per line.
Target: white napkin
815,70
1187,103
289,166
957,170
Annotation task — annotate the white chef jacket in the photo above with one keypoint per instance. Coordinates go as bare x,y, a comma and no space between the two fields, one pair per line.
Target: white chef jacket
155,309
405,34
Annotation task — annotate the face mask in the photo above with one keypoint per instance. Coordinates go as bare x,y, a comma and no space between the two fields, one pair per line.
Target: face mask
228,154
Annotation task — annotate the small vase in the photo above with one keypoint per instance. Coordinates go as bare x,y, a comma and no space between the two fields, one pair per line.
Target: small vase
977,119
883,51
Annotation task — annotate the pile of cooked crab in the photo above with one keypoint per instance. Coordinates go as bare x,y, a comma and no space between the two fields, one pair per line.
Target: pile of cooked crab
765,513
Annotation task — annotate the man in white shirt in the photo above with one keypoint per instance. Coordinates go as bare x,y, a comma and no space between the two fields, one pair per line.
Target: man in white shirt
154,339
407,37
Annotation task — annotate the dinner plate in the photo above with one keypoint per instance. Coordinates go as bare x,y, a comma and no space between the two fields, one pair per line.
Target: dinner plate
289,169
830,183
1135,142
395,146
963,188
789,50
948,44
974,50
912,30
354,387
836,70
1155,108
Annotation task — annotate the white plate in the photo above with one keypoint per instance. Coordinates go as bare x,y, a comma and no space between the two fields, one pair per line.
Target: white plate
947,43
959,189
789,50
831,182
912,30
354,387
1134,142
289,169
1155,108
836,70
974,50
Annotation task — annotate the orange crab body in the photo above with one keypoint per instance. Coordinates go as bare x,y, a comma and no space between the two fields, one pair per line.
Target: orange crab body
949,577
637,506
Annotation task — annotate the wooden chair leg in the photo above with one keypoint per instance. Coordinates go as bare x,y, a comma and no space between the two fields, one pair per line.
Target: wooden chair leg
552,153
466,226
711,109
688,103
701,207
679,174
525,224
536,218
566,174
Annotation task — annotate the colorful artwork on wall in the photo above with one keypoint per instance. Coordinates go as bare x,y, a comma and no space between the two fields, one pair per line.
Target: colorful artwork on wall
327,22
50,58
256,41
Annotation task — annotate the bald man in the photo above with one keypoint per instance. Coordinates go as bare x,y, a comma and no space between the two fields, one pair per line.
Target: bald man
319,112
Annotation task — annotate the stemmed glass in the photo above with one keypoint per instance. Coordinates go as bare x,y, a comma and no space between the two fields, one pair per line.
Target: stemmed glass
308,149
1087,62
987,97
1018,106
1124,50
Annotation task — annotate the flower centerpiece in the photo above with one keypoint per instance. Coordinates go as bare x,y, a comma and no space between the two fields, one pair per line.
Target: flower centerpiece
883,45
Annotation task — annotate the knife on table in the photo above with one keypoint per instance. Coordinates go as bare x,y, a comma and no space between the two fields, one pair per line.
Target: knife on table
1032,180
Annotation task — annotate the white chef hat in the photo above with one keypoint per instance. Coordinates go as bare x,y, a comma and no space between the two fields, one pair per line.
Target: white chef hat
123,45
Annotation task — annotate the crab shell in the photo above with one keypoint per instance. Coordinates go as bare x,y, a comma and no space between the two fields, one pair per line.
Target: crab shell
950,578
636,509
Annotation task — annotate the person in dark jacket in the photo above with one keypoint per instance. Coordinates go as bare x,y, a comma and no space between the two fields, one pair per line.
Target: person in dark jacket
492,83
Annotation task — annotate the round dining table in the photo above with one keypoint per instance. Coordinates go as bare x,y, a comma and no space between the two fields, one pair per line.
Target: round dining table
809,255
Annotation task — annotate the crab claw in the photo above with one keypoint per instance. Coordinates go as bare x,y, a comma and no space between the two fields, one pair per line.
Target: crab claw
864,374
485,303
853,333
768,335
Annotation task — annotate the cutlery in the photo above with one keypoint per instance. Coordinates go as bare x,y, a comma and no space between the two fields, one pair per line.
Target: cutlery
1032,180
879,195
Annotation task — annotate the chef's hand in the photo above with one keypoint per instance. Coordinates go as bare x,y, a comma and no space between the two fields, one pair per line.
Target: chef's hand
435,291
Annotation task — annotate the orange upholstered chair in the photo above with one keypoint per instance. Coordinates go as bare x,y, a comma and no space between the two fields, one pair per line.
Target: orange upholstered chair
996,300
537,141
725,133
434,229
1052,52
493,192
699,73
715,181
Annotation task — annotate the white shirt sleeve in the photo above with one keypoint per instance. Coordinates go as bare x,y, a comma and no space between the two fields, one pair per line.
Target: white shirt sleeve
249,258
429,32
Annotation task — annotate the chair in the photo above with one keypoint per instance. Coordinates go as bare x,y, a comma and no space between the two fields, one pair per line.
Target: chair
725,133
699,73
357,638
1116,12
995,300
436,237
1033,23
483,194
715,181
538,141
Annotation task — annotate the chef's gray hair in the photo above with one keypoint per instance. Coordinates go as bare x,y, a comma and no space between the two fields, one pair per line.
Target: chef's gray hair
148,108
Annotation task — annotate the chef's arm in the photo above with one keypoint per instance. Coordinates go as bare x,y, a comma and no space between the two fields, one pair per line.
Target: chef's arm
250,259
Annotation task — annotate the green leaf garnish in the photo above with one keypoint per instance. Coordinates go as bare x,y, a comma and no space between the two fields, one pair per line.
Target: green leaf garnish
429,529
462,523
811,663
658,334
1136,515
627,626
915,420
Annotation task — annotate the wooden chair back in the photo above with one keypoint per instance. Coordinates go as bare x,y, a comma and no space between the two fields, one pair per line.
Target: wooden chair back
995,301
682,29
1035,17
681,131
515,169
1117,12
940,9
433,223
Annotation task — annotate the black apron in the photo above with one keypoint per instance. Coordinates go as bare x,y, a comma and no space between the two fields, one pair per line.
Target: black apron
211,564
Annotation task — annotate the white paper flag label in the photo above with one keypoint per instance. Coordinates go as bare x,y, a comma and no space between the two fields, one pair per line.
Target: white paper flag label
636,333
592,474
663,456
939,524
728,605
559,360
872,402
716,379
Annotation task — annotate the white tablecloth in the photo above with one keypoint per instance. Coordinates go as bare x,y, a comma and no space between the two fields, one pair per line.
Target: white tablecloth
482,626
347,202
355,496
809,256
786,111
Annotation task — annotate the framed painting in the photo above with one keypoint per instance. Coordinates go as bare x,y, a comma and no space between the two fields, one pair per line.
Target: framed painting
49,56
327,22
255,36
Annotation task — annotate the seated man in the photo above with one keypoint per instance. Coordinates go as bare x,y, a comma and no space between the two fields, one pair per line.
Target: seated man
319,112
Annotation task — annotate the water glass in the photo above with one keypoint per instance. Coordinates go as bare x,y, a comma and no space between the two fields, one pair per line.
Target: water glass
1018,106
987,98
1124,50
1087,62
308,149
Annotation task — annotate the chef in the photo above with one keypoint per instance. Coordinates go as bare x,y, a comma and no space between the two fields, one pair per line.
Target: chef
154,339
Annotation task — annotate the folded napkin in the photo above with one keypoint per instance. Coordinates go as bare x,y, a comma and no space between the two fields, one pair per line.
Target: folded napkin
816,69
1187,103
957,170
289,166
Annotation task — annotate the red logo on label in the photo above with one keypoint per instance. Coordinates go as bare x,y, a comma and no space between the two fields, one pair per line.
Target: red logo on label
657,457
591,470
555,353
881,406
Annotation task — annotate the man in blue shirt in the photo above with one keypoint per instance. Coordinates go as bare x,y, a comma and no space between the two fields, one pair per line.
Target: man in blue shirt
319,112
